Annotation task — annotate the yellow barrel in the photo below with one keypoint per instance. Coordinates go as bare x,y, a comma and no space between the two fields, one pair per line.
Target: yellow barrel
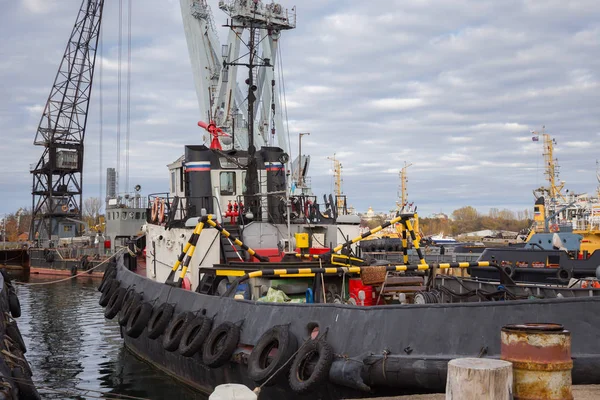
541,358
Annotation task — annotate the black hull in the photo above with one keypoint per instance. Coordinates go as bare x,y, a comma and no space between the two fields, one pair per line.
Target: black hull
518,262
419,340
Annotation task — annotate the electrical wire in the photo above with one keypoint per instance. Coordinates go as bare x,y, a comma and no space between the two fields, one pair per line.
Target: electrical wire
128,126
119,67
287,122
101,111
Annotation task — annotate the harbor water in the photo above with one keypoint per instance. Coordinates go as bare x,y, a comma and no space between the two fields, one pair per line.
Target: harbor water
76,353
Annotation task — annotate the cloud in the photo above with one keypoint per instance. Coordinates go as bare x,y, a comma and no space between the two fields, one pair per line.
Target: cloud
453,86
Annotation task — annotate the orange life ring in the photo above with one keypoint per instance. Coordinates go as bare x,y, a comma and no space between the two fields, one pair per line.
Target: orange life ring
155,209
553,228
161,212
65,208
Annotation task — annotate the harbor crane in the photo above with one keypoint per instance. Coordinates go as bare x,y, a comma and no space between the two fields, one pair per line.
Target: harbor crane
57,176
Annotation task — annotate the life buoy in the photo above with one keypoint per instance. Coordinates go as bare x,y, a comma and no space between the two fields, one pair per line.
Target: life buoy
160,319
161,211
260,367
65,208
138,319
174,332
553,228
304,380
115,303
194,335
154,213
564,275
220,345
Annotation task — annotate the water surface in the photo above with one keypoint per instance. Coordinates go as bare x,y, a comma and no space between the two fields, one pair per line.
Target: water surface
76,353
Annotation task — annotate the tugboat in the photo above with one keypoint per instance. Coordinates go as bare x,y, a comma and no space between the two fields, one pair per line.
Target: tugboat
305,318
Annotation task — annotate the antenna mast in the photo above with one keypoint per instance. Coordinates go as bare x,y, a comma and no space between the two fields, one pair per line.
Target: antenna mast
337,176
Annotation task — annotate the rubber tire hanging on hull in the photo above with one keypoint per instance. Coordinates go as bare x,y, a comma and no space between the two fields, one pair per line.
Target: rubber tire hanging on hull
14,305
27,390
13,332
259,367
160,320
174,332
107,292
109,274
115,303
564,275
220,345
130,301
298,382
138,319
194,336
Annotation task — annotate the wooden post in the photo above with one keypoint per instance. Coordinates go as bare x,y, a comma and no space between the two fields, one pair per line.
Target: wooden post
479,378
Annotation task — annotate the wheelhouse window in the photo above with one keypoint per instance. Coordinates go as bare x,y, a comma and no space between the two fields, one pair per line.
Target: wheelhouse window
227,183
173,182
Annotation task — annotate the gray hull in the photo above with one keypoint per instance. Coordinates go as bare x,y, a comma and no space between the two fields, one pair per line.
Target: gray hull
383,349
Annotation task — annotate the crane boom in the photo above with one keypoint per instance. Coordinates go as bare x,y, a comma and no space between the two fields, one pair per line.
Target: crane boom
57,176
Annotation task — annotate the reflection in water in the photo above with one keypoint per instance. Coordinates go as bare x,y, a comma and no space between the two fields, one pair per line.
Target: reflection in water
73,348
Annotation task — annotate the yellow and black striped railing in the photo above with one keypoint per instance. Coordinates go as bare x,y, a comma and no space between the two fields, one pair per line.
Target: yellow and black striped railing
303,272
235,240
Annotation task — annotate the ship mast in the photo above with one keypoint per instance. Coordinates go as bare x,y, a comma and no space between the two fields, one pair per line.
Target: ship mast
337,179
554,190
257,18
403,186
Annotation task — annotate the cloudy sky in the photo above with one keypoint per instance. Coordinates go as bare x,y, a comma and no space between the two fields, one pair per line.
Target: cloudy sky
452,86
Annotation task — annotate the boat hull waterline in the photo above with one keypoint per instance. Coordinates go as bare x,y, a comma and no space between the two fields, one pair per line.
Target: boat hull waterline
397,348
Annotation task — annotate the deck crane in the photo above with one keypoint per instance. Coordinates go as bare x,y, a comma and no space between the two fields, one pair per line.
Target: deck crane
215,69
57,176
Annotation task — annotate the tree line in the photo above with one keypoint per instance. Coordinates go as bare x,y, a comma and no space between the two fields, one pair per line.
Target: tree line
467,219
18,223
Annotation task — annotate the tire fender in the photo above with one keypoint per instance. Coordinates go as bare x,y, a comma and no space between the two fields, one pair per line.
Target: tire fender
130,301
138,319
115,303
14,305
194,336
13,332
109,289
174,332
259,369
227,335
299,380
564,275
160,320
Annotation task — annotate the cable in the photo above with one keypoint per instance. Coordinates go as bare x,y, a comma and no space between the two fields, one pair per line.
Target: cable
74,276
128,132
119,48
101,99
287,122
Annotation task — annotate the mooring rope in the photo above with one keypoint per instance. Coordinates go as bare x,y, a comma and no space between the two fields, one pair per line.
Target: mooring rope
74,276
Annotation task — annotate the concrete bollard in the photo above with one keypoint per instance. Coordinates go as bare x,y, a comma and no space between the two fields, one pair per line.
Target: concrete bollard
232,391
479,378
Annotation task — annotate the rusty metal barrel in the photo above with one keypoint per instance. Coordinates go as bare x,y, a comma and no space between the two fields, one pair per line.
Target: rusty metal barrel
541,358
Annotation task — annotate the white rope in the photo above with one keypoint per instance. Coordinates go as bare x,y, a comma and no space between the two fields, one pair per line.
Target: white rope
74,276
